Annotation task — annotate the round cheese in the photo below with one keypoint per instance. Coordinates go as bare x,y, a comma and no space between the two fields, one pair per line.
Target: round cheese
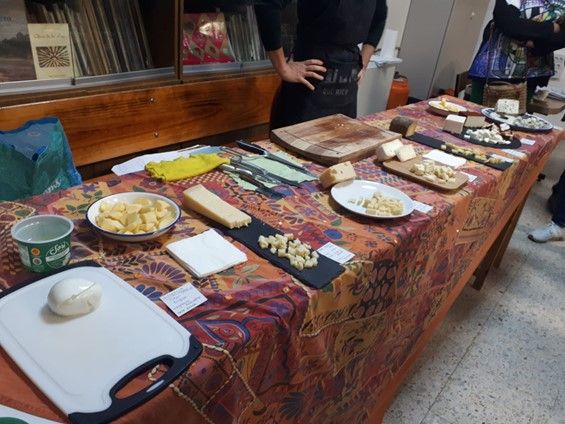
74,296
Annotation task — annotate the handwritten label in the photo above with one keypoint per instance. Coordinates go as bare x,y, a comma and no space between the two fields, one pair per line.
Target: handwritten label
335,253
183,299
528,141
422,207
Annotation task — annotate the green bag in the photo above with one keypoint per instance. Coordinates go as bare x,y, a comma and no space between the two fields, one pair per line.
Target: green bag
35,159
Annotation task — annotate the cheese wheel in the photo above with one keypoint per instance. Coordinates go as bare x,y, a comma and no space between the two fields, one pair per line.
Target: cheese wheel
74,296
404,126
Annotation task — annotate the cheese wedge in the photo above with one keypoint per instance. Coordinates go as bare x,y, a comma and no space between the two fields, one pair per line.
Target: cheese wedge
508,106
203,201
337,174
405,153
388,150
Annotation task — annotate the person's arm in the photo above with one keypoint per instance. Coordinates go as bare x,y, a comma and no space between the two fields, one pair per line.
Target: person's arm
375,33
508,20
268,14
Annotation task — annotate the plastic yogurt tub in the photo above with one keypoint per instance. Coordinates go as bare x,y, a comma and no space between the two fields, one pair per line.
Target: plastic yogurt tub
44,242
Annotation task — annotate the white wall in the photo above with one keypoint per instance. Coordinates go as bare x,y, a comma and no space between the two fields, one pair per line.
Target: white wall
397,15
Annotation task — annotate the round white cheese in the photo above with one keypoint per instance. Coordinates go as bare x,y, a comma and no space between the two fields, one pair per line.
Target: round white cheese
74,296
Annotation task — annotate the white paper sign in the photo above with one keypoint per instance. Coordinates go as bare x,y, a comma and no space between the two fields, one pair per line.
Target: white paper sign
445,158
528,141
422,207
471,177
183,299
335,253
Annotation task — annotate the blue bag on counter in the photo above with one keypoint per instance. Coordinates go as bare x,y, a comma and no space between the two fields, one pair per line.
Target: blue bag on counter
35,159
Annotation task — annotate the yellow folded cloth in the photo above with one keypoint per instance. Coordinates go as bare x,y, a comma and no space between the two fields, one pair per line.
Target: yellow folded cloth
180,168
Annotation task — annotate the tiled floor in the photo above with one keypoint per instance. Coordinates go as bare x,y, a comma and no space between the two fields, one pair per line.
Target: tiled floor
499,356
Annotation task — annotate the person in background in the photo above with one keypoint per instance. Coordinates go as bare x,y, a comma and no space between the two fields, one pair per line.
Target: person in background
555,230
525,34
322,76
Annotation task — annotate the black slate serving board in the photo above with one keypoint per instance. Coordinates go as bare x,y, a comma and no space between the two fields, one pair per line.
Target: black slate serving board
437,144
514,142
317,277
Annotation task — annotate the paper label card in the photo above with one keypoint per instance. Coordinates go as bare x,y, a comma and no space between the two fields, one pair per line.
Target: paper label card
183,299
471,177
516,153
335,253
422,207
528,141
445,158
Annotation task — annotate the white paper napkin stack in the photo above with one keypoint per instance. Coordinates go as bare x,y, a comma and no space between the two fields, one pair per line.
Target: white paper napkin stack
206,254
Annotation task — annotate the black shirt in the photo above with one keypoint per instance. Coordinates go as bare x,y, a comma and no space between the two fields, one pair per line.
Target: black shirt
337,22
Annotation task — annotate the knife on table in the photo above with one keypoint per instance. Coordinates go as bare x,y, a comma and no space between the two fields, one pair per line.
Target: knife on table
248,176
257,171
265,153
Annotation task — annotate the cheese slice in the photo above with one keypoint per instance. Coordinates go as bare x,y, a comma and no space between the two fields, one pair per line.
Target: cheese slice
405,153
206,203
508,106
337,174
454,124
388,150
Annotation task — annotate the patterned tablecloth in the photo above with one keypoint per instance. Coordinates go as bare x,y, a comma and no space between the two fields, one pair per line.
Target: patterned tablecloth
274,350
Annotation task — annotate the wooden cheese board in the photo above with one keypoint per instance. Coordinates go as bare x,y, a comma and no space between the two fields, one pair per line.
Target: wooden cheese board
332,139
403,169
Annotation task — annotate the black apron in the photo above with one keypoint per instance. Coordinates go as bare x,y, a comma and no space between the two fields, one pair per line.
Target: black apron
322,39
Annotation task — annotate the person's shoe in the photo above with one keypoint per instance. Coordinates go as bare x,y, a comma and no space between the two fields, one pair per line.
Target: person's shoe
551,232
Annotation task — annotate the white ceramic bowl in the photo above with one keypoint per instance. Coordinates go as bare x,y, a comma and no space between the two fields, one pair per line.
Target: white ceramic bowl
130,197
344,192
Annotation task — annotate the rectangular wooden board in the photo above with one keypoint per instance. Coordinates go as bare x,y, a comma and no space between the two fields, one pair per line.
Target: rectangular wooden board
403,169
332,139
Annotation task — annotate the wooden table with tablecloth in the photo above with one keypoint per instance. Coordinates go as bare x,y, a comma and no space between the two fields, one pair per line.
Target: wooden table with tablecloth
274,349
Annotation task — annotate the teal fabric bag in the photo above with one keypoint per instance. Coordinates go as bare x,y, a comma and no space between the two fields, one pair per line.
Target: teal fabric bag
35,159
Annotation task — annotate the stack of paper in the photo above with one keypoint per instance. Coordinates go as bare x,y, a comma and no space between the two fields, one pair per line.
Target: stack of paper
206,254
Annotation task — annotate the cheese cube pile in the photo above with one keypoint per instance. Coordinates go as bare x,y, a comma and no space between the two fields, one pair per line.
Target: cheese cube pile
142,216
299,254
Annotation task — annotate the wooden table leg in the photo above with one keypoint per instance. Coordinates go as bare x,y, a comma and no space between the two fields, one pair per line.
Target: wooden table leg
508,235
497,250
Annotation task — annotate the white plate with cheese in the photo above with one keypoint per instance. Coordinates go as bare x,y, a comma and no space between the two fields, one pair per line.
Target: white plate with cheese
443,107
357,196
133,216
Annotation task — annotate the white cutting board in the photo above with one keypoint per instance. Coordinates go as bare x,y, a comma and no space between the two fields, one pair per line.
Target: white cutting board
76,361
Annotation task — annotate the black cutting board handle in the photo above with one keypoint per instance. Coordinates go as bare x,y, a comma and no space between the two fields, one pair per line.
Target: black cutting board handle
121,406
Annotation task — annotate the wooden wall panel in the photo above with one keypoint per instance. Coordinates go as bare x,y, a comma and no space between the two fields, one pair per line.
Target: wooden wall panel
106,126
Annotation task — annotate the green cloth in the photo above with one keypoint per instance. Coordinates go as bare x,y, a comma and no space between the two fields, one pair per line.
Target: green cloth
184,167
276,168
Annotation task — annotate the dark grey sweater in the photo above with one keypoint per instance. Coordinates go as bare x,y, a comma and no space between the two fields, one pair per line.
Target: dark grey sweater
317,23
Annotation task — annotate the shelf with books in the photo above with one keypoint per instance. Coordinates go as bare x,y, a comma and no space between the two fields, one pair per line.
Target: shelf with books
67,43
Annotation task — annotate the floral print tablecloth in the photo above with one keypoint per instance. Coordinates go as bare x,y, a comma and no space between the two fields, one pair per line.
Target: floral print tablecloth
276,351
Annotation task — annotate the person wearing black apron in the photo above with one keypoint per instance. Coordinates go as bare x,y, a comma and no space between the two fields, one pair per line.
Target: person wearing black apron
322,77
